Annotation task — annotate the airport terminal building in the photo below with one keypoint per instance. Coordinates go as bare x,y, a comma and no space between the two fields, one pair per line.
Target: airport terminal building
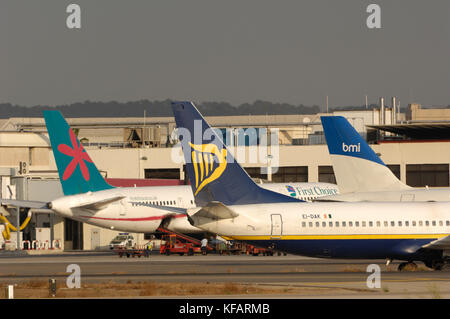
143,151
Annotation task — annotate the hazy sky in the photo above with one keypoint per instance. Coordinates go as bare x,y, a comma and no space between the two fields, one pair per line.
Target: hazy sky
234,51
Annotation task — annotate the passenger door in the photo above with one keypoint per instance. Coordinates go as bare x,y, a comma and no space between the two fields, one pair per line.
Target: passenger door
277,226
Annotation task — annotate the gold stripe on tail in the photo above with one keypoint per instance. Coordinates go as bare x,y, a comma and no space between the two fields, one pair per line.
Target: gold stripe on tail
203,157
194,163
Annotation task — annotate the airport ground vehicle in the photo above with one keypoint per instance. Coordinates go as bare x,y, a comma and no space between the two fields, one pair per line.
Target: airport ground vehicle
132,252
178,243
255,251
229,248
122,240
174,244
237,247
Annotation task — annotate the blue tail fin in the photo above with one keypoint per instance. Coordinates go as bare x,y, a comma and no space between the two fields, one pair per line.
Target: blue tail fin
343,139
77,172
213,172
356,166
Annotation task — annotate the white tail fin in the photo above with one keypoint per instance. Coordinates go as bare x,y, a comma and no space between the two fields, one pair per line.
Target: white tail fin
356,166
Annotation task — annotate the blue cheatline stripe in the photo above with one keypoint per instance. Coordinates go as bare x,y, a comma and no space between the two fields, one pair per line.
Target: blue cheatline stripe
349,248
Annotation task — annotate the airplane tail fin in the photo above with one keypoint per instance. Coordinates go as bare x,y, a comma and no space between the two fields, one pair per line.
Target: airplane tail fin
356,166
77,172
213,172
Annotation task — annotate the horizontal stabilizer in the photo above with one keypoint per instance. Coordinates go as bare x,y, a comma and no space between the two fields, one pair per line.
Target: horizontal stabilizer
24,203
176,210
98,205
216,210
441,243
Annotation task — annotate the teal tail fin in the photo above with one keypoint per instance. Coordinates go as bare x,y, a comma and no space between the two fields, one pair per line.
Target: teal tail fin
77,172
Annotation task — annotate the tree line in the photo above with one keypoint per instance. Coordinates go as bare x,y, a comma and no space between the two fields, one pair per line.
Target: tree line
160,109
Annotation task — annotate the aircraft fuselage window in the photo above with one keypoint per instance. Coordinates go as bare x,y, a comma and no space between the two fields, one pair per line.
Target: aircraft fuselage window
399,223
357,224
344,224
406,223
324,224
433,223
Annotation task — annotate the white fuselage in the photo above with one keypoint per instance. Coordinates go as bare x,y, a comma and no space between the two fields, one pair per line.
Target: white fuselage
339,230
408,195
364,180
130,213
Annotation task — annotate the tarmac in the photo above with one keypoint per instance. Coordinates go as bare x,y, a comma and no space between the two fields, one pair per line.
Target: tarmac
318,278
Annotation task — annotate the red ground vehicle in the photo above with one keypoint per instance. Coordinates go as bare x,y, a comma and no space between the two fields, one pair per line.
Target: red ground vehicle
175,245
255,251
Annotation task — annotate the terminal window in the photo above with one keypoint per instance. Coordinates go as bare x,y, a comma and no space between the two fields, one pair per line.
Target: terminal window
162,173
256,172
326,174
433,175
291,174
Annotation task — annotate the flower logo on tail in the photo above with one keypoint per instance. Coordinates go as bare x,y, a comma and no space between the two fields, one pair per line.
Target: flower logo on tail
79,156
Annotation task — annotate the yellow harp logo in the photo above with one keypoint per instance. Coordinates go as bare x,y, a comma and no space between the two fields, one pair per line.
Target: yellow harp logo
203,159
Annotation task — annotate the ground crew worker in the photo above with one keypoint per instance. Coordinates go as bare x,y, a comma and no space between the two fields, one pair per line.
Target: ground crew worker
148,250
204,245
